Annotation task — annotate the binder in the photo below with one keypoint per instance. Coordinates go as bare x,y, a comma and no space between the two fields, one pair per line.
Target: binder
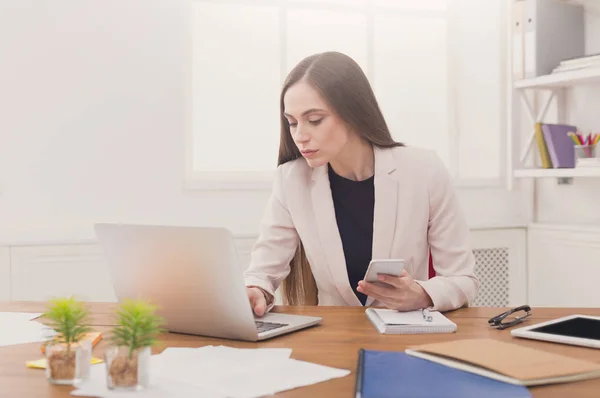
530,47
554,31
518,42
387,374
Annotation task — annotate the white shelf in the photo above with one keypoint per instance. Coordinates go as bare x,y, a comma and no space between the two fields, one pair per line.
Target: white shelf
562,79
558,173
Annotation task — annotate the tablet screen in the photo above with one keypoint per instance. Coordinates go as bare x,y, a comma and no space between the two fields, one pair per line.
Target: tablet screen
576,327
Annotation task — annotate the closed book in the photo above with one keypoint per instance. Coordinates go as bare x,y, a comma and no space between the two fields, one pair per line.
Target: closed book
507,362
411,322
393,374
542,148
560,145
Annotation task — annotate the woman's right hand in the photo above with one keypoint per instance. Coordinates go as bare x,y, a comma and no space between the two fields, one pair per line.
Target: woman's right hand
258,302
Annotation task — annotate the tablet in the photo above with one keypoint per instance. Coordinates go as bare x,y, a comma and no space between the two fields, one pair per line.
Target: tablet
582,330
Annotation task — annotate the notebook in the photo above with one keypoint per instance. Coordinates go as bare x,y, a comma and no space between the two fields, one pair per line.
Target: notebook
542,148
412,322
507,362
559,144
94,337
390,374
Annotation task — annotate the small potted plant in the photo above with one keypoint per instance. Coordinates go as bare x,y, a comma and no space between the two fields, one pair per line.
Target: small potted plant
68,353
136,332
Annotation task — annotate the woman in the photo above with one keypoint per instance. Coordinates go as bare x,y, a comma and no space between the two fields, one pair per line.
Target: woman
345,193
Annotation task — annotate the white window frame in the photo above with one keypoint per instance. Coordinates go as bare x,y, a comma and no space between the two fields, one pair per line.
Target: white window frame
262,180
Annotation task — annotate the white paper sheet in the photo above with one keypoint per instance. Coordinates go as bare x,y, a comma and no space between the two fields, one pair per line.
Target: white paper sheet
95,386
393,317
17,328
218,371
225,353
26,316
211,366
271,378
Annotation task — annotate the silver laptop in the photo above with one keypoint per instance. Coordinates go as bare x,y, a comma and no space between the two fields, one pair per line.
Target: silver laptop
193,276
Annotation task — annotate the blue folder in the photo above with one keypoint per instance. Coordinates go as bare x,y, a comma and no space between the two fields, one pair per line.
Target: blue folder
387,374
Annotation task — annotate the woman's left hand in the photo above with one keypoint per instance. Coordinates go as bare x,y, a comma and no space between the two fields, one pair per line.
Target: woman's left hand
401,293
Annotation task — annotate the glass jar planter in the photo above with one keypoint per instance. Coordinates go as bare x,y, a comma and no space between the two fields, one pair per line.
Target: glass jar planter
127,371
68,363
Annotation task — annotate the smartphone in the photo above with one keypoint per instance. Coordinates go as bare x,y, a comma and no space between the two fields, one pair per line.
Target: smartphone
392,267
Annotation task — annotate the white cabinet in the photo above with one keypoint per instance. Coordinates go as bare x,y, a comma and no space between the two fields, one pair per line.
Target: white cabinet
4,273
564,266
39,272
500,257
243,245
42,272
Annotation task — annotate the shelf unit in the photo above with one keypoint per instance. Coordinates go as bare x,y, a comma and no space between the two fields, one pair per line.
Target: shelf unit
561,80
556,84
558,173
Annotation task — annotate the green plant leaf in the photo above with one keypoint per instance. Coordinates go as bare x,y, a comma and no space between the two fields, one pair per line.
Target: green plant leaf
137,325
69,318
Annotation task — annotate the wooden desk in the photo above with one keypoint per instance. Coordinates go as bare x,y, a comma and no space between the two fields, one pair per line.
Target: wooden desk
334,343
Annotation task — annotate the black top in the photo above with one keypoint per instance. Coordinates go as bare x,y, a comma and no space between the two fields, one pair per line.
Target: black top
354,203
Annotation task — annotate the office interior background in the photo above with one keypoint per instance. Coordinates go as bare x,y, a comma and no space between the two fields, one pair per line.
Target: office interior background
166,112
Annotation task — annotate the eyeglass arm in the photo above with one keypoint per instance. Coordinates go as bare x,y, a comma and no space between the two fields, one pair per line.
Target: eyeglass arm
497,319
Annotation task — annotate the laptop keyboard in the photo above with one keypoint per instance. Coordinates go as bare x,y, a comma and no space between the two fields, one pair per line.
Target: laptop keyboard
266,326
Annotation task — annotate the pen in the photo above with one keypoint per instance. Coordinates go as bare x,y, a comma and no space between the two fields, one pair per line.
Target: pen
426,315
581,139
574,138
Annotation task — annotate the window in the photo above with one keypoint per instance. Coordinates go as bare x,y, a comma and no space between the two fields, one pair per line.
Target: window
435,66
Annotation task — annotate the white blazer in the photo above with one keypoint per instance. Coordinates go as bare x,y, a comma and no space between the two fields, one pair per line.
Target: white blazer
416,211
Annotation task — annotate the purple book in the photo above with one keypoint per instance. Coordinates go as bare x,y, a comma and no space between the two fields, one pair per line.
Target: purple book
560,145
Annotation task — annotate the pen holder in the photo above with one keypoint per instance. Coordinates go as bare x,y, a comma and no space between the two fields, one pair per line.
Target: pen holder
585,151
585,154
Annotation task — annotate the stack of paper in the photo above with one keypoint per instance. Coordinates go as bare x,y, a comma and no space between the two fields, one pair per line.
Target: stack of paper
218,371
18,328
585,62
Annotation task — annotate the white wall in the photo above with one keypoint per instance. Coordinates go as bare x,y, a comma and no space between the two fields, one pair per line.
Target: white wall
576,203
92,125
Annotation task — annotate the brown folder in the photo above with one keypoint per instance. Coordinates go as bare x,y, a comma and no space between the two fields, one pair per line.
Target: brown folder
508,362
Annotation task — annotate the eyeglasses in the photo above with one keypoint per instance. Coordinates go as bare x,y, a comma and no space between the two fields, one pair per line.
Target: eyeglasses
508,318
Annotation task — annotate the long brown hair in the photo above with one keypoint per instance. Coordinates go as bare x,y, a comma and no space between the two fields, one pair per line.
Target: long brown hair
343,85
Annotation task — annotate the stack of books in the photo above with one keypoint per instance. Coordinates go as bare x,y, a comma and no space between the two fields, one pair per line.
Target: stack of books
585,62
556,149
